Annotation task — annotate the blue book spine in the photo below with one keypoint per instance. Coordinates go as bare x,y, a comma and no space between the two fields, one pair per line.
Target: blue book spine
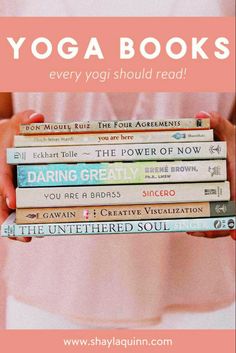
128,227
120,173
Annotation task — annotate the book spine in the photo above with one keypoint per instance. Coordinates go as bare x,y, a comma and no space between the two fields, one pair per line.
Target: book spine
123,227
127,152
113,138
124,212
108,126
120,173
122,194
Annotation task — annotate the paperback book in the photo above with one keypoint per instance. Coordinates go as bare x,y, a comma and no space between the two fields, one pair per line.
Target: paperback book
125,152
116,125
124,212
120,173
113,138
122,194
10,228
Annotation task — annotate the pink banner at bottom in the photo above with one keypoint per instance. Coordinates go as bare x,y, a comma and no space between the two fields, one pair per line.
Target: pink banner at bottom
166,341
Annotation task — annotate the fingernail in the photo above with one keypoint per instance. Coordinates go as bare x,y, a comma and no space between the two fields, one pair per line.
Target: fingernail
33,115
205,113
8,202
26,239
195,234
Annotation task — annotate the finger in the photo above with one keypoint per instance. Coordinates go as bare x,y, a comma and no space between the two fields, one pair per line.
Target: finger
202,115
7,187
20,118
225,131
210,234
35,118
26,117
222,127
231,166
196,234
8,202
232,177
4,210
4,213
22,239
233,234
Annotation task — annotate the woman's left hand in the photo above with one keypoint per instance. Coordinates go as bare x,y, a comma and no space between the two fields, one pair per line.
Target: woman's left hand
225,131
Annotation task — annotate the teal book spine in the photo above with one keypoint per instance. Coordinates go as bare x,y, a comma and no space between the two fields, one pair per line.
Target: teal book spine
120,173
9,228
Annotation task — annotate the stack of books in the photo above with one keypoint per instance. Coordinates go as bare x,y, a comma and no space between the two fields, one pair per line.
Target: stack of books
115,177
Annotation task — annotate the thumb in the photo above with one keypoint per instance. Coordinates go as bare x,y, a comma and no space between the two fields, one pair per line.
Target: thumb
222,127
26,117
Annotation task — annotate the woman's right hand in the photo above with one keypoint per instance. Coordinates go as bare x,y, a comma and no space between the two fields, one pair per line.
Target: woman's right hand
9,128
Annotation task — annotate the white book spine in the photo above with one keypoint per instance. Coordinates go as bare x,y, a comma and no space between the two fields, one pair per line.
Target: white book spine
116,125
122,194
126,152
113,138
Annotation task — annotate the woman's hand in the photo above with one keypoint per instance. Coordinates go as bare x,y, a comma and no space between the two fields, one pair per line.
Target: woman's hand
9,128
225,131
